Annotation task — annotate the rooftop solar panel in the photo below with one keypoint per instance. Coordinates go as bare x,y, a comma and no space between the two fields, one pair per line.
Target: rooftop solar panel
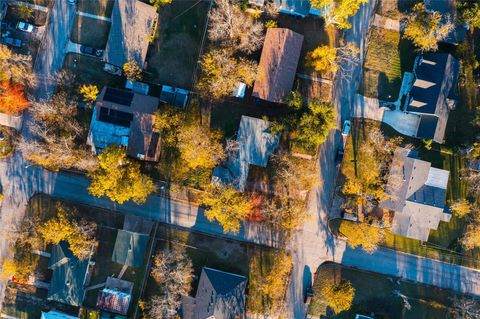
118,96
115,117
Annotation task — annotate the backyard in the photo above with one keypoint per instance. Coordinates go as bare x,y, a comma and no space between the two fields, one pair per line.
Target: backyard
90,32
384,296
172,57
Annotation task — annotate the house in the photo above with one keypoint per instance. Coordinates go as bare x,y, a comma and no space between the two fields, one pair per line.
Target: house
220,295
417,194
278,65
130,248
52,314
125,118
116,296
432,94
69,276
132,24
255,144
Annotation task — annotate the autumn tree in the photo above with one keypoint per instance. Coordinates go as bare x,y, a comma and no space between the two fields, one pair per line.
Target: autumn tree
234,29
19,267
227,206
338,296
132,71
471,237
314,125
119,178
89,93
16,68
461,208
362,234
172,270
24,12
12,98
220,72
325,59
159,3
337,12
469,12
425,28
168,121
465,308
274,285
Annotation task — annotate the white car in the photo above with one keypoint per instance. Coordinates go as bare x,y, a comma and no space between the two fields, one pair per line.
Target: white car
27,27
346,128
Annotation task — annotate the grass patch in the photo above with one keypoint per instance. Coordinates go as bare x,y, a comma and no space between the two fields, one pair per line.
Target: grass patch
7,141
90,32
379,294
101,8
172,57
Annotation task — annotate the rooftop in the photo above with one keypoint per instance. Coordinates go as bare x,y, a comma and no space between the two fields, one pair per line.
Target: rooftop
130,248
278,64
116,296
52,314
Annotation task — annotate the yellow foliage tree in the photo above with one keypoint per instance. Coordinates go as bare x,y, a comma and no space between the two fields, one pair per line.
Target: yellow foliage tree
461,208
159,3
132,71
337,12
323,59
471,238
89,93
339,297
119,178
362,234
227,206
19,267
274,286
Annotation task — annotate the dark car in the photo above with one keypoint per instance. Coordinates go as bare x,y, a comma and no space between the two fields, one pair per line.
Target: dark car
339,156
308,295
11,41
91,51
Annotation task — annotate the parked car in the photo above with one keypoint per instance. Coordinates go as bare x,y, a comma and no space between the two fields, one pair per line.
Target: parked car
26,27
11,41
72,1
112,69
91,51
339,156
346,128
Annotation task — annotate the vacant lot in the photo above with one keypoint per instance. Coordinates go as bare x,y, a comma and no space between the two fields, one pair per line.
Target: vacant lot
89,70
172,58
101,8
90,32
385,296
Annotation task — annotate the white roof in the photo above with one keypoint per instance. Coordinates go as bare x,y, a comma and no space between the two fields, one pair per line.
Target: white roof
56,315
437,178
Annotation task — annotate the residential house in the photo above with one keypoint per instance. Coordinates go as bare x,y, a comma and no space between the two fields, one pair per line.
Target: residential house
432,94
116,296
220,295
130,248
133,22
52,314
255,144
417,194
69,277
278,65
125,118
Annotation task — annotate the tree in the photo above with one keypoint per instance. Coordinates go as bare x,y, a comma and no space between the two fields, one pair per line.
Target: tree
168,121
12,98
362,234
469,12
132,71
89,93
159,3
220,72
24,12
79,235
227,206
465,308
314,125
326,59
119,178
20,268
339,297
16,68
274,286
234,29
461,208
271,24
337,12
294,100
425,28
172,270
471,238
200,146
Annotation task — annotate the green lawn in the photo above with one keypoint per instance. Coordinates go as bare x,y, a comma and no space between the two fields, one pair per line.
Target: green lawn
172,57
97,7
376,293
90,32
388,56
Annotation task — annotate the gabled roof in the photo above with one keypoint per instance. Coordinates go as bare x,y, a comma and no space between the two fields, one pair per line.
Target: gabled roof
116,296
417,194
132,23
130,248
278,64
220,295
69,276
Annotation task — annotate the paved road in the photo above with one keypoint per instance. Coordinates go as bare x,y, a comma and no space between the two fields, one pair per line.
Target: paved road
52,51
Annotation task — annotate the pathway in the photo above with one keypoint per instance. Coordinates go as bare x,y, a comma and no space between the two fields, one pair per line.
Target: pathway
93,16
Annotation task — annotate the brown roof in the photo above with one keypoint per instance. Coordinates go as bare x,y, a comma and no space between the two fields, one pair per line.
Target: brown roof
278,64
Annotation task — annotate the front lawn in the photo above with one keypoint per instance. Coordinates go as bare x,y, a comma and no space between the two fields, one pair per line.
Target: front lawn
382,295
172,57
90,32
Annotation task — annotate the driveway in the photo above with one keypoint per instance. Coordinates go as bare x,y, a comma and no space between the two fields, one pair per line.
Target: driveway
52,50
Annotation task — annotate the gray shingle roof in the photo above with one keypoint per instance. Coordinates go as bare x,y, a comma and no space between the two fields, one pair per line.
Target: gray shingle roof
130,248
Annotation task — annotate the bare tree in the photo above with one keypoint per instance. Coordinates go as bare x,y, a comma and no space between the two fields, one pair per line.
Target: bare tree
232,28
466,308
16,68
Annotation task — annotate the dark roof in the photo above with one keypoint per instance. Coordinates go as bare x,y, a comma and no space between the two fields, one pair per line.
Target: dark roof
220,295
278,64
118,96
427,126
174,96
116,296
130,248
68,278
428,195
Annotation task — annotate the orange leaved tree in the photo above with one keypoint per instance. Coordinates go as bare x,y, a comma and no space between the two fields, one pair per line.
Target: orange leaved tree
12,98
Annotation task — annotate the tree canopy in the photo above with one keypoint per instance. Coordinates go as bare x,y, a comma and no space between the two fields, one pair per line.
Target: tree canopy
119,178
338,11
362,234
89,93
12,98
159,3
469,12
323,59
339,296
274,286
132,71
